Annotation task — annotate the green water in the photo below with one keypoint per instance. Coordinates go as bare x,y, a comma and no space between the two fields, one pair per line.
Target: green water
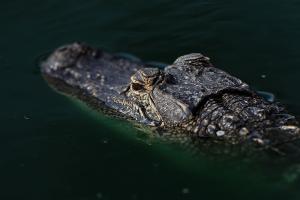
53,148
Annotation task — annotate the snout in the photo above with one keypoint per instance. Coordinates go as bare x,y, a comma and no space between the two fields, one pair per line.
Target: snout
65,56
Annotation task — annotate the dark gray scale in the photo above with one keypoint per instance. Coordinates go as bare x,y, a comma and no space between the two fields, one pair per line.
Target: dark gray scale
216,120
192,84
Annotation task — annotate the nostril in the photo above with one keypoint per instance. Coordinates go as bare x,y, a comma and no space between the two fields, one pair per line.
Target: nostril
72,48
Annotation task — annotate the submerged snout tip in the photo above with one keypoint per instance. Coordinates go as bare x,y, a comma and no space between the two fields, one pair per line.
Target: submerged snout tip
64,56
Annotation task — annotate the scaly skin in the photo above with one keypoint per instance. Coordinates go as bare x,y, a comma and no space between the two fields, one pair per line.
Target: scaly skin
190,97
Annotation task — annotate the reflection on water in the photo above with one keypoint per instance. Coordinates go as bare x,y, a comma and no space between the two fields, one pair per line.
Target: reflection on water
53,149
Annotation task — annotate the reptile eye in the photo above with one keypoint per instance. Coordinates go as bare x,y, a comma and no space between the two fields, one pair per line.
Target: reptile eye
136,86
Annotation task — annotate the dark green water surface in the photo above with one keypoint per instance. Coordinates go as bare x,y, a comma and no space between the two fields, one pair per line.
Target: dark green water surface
53,148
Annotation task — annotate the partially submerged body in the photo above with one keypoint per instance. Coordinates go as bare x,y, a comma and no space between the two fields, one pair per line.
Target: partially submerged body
191,96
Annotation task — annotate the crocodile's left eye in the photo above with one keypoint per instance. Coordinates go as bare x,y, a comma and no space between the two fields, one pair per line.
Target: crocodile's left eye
137,86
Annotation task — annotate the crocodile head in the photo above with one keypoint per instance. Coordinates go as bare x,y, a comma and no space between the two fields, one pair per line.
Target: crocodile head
190,97
154,96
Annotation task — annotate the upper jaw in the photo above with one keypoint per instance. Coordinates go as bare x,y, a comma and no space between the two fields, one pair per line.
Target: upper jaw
96,74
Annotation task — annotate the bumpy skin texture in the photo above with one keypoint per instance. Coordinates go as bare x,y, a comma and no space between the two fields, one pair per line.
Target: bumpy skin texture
191,96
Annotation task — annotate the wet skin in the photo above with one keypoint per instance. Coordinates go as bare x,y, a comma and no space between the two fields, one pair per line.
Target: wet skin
190,96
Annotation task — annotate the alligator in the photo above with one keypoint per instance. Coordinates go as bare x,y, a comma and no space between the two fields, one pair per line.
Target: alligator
191,96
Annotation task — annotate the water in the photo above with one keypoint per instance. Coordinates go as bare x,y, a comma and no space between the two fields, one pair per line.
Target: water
53,148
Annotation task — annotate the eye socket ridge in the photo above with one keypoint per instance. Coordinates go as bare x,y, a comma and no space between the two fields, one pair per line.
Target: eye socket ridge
142,83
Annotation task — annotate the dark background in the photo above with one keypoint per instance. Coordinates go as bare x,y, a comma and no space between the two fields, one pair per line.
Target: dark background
54,148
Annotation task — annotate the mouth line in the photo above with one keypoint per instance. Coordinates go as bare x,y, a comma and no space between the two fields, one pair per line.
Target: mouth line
70,91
